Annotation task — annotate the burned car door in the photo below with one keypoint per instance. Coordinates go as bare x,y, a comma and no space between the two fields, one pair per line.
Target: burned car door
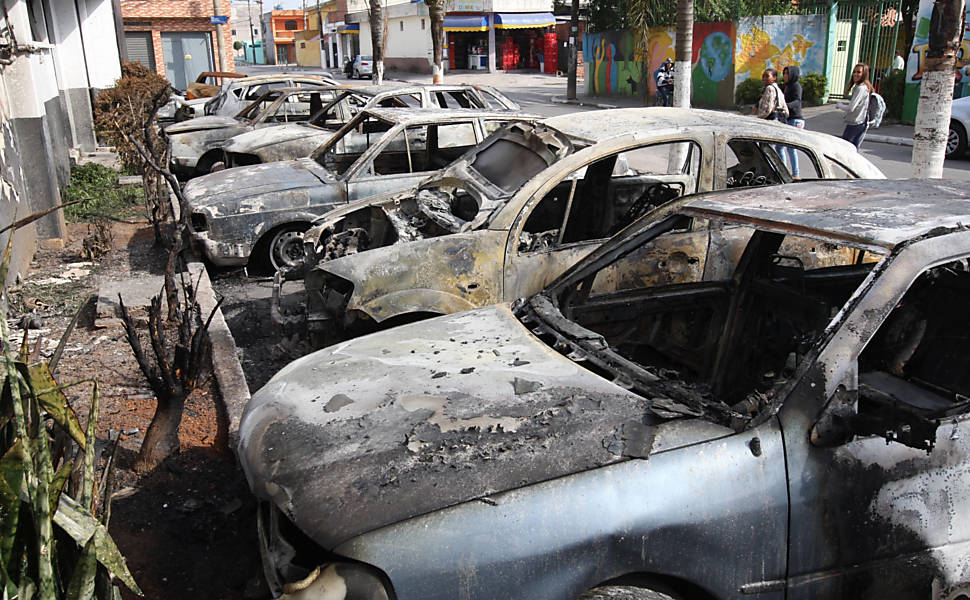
408,156
879,477
596,201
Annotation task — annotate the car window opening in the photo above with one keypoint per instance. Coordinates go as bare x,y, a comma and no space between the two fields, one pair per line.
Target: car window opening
602,198
915,370
700,347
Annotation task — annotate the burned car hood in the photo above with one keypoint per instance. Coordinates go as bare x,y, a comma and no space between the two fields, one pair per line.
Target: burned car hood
276,134
200,123
399,423
230,186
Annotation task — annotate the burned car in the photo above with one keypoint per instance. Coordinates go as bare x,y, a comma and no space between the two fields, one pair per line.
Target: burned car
298,140
195,146
260,212
206,85
507,218
236,94
789,421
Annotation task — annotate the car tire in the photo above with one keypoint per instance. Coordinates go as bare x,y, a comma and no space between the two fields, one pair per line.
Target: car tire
285,248
623,592
956,141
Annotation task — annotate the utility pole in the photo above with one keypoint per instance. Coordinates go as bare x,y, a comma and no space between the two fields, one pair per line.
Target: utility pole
220,42
573,36
249,11
262,33
324,61
936,89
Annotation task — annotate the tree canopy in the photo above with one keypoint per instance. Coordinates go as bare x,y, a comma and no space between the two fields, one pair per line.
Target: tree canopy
608,15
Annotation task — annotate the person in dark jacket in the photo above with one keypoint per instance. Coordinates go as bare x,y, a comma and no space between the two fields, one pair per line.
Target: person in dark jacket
793,97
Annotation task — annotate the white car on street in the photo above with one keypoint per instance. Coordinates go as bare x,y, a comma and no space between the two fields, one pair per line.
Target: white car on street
956,141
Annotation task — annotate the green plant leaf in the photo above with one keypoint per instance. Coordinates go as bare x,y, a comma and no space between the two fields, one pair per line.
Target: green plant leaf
52,398
83,527
12,484
58,482
8,533
87,478
81,586
27,590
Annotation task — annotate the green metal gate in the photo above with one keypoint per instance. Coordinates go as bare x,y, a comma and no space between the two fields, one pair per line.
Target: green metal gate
868,31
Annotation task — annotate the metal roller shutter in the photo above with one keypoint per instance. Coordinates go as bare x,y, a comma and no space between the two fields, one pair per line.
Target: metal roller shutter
140,49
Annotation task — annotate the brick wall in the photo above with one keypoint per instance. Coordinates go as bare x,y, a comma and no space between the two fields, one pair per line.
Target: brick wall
178,15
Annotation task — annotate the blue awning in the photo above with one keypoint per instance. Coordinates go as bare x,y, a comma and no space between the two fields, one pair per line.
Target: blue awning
349,28
466,23
523,20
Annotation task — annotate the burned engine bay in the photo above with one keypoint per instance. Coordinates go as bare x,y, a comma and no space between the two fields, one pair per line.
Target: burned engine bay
462,199
429,213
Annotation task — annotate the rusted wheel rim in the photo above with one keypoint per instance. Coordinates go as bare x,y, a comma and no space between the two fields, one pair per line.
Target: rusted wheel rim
286,251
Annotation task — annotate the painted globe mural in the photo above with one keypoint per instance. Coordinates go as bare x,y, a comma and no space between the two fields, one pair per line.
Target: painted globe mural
716,56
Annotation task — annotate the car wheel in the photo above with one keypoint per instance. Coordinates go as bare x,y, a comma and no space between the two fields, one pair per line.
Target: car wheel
623,592
956,140
285,249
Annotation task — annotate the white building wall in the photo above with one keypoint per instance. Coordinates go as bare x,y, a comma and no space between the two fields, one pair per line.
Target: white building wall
411,41
100,42
36,117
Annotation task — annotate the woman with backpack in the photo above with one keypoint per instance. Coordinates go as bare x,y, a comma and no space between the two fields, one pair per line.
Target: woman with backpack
772,104
857,110
793,98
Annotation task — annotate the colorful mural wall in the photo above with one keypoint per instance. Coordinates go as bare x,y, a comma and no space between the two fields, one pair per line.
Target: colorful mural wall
917,57
713,70
724,55
777,41
612,65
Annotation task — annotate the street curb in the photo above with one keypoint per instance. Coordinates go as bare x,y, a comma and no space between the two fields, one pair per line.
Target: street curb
562,100
225,361
887,139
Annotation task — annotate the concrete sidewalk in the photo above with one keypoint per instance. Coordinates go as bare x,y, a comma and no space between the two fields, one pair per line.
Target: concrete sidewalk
826,118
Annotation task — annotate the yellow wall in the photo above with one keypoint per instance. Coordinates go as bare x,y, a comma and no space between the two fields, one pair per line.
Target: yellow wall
307,52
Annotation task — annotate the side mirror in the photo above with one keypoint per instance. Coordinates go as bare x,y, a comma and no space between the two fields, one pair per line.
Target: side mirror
881,415
835,426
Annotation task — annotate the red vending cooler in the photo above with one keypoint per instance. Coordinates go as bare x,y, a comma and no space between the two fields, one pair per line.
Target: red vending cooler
550,50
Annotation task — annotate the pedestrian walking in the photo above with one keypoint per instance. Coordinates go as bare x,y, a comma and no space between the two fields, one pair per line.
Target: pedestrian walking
857,110
772,104
664,78
793,98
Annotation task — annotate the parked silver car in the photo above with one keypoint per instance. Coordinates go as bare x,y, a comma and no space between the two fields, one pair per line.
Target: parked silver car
531,201
362,67
260,212
787,422
195,146
297,140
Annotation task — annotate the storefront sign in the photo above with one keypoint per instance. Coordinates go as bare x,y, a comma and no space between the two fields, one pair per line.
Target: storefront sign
466,5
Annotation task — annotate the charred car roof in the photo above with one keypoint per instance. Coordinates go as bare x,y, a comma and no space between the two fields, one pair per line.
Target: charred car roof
879,213
597,126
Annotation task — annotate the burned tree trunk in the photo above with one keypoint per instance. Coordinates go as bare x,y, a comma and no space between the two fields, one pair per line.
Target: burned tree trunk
172,374
936,89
